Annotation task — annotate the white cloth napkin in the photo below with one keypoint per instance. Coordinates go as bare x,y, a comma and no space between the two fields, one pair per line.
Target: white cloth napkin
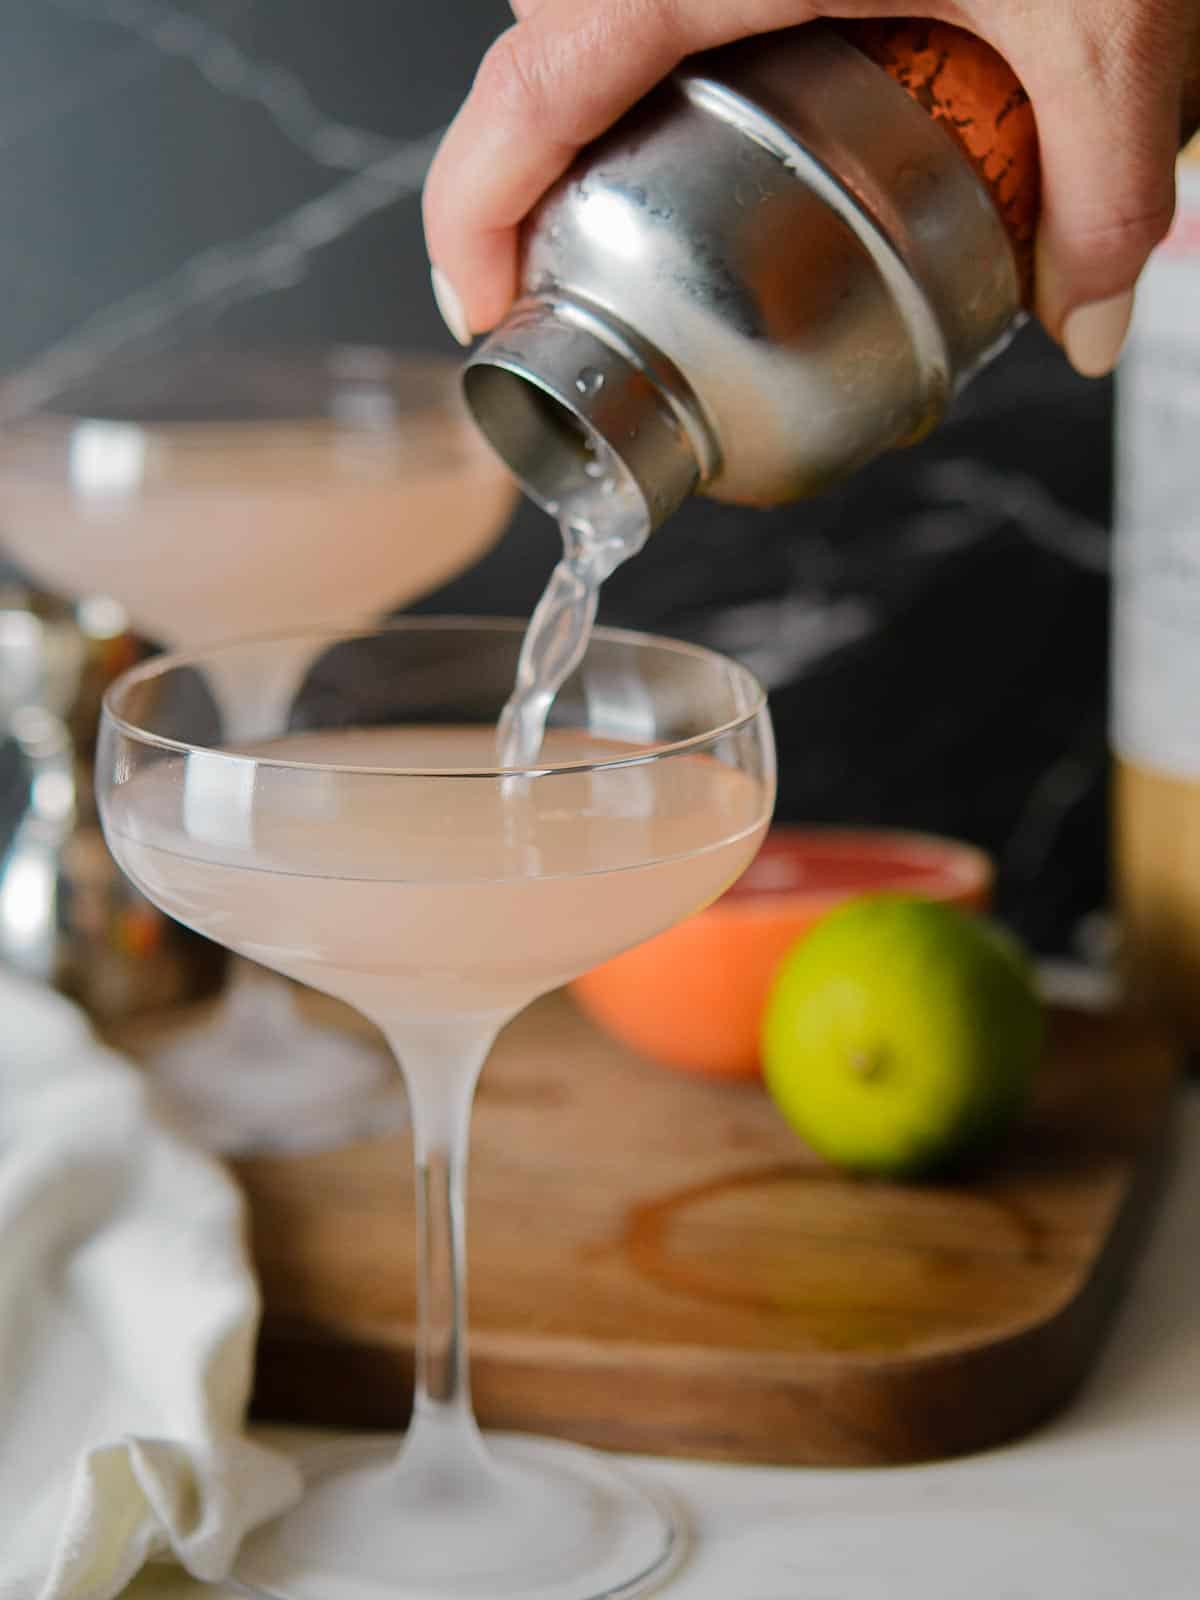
128,1314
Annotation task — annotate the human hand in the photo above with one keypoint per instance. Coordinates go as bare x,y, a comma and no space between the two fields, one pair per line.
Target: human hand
1106,79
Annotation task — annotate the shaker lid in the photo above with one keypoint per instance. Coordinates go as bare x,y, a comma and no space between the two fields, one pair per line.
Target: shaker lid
557,379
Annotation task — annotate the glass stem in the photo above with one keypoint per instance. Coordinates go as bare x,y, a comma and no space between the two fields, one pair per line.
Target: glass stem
258,709
441,1065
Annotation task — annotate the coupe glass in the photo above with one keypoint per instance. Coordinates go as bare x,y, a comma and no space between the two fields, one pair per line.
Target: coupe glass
217,492
366,843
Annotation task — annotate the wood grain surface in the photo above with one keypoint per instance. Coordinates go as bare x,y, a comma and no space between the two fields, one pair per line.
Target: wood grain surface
657,1265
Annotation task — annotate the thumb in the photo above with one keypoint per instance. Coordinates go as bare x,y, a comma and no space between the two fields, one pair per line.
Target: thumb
1108,128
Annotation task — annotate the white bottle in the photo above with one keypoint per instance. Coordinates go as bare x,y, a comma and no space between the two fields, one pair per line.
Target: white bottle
1156,626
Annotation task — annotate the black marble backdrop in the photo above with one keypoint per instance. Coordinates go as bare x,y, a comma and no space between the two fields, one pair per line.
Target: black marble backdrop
934,635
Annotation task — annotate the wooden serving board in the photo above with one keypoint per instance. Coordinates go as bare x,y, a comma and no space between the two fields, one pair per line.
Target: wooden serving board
657,1264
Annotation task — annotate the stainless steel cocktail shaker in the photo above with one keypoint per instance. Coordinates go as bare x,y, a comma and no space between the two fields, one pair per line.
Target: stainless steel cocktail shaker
68,916
776,267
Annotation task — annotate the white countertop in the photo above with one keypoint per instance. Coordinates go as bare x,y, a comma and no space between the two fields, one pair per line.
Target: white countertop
1103,1504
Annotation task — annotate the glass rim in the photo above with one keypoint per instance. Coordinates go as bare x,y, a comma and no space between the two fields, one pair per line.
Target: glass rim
383,366
159,666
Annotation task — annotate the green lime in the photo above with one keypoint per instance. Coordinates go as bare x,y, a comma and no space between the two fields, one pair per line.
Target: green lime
902,1035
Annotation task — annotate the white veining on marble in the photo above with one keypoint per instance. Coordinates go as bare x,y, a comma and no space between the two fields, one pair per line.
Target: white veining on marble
232,71
1042,518
381,172
270,258
1065,784
782,638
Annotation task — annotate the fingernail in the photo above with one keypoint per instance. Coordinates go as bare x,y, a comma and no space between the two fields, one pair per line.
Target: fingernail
1092,335
450,306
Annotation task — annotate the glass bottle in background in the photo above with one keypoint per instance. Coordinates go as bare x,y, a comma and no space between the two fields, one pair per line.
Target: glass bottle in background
1156,632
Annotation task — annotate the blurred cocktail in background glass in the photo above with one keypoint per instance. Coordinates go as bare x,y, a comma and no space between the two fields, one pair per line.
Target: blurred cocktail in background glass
217,492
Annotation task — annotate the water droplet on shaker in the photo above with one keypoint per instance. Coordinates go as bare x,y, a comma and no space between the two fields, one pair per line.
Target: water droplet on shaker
589,380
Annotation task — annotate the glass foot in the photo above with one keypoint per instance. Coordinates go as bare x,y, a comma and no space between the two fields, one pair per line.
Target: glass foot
257,1077
538,1520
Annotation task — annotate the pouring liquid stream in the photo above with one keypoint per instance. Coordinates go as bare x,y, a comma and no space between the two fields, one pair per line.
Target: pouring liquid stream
603,522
